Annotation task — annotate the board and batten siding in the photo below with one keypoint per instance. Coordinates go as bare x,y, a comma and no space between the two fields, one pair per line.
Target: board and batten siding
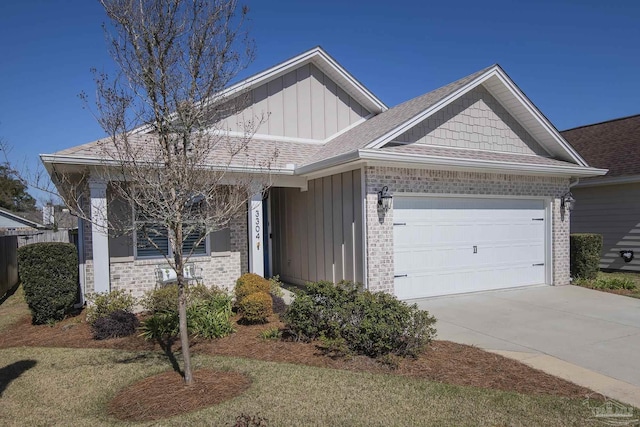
317,234
614,212
476,121
304,103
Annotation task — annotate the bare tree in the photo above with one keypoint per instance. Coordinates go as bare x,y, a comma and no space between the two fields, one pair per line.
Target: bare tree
166,154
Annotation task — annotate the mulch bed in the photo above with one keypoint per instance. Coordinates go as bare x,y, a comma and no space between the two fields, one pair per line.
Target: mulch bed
443,361
166,395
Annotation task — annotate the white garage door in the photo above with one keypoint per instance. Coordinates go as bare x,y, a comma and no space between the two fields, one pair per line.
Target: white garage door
453,245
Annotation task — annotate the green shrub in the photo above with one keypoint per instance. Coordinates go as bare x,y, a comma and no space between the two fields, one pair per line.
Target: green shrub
275,286
117,323
585,255
271,334
250,283
165,299
210,317
208,312
161,300
49,275
608,282
102,304
256,307
161,325
373,324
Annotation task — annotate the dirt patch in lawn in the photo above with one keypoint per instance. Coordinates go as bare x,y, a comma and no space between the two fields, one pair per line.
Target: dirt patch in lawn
166,395
443,361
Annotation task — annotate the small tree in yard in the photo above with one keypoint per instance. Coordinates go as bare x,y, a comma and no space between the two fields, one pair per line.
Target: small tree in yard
160,114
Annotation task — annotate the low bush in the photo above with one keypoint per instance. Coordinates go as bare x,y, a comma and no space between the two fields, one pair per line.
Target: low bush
103,304
373,324
275,286
208,312
256,307
250,283
165,299
49,275
585,251
210,317
160,326
161,300
271,334
118,323
613,282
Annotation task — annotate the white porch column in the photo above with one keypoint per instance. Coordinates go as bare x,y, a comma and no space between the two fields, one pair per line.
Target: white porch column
99,235
256,245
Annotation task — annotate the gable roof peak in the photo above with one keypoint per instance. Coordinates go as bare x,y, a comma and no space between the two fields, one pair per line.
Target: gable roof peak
327,64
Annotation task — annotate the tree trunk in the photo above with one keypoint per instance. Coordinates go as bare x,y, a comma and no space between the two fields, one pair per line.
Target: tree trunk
184,333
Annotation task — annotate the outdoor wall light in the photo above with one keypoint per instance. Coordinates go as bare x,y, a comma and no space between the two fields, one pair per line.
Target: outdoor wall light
384,198
568,201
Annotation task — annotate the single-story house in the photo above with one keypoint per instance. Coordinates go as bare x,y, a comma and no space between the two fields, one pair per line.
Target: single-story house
12,223
610,205
457,190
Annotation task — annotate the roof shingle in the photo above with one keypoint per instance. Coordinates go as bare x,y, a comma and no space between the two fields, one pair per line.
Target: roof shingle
613,145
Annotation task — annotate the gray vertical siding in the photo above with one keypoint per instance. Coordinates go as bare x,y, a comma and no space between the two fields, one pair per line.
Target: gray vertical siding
614,212
304,103
318,232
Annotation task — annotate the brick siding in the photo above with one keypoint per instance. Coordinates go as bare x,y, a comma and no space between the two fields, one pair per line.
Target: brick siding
379,228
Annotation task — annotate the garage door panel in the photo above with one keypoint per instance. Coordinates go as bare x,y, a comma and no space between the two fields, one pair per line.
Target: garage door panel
434,240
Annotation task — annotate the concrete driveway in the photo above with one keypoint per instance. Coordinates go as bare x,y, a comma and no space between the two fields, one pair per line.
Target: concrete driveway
591,338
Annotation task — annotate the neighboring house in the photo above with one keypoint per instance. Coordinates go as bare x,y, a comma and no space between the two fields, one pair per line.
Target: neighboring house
610,204
18,223
47,225
475,172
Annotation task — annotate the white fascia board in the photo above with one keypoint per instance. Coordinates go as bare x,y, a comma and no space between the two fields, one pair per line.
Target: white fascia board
412,160
49,159
540,118
328,163
389,136
596,182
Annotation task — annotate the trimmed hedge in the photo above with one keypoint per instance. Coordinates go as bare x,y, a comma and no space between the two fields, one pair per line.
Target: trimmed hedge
256,307
250,283
49,275
585,251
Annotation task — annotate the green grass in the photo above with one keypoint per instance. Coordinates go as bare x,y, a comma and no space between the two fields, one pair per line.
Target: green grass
13,309
73,386
626,283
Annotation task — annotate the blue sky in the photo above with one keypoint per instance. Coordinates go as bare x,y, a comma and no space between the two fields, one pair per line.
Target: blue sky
578,61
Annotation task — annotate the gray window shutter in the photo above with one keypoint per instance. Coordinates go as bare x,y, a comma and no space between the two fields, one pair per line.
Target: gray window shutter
221,240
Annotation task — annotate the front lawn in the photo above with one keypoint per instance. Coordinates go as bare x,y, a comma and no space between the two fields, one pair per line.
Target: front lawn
13,308
618,283
74,379
74,386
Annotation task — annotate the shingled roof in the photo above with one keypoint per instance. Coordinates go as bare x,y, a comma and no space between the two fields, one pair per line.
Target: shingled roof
613,145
